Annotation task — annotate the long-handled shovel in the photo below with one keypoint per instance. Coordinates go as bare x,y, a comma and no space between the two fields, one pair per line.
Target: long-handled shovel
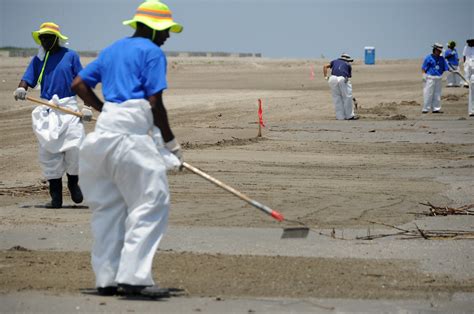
296,232
56,107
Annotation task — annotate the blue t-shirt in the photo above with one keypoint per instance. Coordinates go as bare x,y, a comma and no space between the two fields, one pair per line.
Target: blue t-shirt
60,70
434,65
451,56
341,68
130,68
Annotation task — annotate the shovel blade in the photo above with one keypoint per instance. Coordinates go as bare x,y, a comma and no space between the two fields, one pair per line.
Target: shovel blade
295,233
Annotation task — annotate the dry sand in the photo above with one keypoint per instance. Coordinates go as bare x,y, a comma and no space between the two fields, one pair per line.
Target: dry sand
312,168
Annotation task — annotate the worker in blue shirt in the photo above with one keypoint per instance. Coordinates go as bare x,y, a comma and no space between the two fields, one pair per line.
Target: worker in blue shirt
452,57
59,135
433,68
341,87
123,162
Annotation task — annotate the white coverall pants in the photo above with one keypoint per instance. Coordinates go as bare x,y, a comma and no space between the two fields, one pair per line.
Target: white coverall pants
468,68
60,136
471,96
123,178
342,97
432,93
453,79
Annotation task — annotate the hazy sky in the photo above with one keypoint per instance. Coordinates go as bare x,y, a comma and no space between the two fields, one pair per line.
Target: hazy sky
275,28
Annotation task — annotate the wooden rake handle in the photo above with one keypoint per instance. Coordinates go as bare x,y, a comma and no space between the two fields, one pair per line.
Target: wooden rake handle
56,107
267,210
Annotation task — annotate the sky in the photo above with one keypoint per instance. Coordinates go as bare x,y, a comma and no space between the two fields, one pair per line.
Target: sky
398,29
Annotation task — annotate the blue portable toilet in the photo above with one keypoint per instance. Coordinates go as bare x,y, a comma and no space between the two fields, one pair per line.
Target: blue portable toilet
369,55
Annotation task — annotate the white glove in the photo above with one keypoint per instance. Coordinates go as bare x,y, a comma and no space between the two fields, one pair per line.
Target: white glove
326,78
86,115
20,93
174,147
424,77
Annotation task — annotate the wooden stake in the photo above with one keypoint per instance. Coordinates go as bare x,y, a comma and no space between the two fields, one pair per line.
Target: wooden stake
258,119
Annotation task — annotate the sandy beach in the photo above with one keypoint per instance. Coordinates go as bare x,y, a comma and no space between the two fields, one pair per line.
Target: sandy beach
343,179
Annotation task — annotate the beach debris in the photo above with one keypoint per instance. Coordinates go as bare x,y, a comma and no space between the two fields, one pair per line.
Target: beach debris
445,210
417,233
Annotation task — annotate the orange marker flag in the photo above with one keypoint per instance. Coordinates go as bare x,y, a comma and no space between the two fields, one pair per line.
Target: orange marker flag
260,113
311,76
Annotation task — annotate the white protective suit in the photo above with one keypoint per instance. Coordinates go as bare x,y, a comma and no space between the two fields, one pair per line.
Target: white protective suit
468,69
468,53
471,87
453,79
432,93
122,171
60,135
342,97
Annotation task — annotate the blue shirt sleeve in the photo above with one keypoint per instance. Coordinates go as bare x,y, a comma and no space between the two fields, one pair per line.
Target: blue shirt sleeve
154,76
349,69
446,66
425,65
91,74
32,73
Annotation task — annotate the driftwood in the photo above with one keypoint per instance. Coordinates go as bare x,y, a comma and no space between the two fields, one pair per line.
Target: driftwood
418,233
445,210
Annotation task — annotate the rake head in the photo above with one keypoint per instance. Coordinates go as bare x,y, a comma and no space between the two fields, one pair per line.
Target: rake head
295,233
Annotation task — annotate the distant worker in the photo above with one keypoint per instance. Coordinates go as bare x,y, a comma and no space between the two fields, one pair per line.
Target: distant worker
451,56
468,54
433,68
471,92
341,87
123,162
59,135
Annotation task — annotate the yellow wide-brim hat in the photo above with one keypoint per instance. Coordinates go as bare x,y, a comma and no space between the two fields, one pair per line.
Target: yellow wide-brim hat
48,28
155,15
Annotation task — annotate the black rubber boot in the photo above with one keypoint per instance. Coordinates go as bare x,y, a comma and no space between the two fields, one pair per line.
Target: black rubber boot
143,291
74,189
56,192
107,291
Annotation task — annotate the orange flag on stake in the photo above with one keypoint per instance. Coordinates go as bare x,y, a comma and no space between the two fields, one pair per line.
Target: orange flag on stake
311,76
260,113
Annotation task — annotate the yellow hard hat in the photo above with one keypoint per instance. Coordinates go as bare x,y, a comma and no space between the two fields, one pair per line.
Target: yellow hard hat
155,15
48,28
